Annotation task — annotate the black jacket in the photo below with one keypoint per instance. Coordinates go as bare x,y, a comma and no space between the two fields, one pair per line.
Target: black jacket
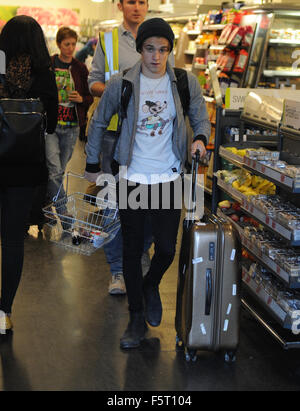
43,87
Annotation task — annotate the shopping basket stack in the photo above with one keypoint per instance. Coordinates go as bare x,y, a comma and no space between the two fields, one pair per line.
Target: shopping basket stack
80,222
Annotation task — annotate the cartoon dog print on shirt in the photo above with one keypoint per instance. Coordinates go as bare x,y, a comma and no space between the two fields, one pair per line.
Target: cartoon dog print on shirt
154,120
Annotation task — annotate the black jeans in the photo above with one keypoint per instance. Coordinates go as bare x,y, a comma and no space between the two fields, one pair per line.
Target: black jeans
164,223
15,204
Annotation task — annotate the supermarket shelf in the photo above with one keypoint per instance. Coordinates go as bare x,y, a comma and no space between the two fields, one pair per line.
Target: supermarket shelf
258,121
259,293
289,132
231,157
284,41
281,73
217,47
292,280
214,27
201,46
292,236
286,341
233,193
278,178
191,53
193,32
200,66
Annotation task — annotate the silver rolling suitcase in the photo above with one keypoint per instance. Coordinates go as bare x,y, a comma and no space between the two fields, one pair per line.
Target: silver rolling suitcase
208,292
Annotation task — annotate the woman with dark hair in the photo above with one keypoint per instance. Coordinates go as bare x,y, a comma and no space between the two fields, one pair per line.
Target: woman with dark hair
28,75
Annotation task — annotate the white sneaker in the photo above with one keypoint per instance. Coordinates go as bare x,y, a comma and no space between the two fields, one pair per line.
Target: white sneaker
117,284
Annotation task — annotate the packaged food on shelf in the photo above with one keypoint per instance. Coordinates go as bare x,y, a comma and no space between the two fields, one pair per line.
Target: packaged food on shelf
262,154
226,33
241,61
248,36
287,299
236,36
226,61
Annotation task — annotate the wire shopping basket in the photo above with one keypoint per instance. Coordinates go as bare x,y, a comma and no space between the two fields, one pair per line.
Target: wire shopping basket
81,222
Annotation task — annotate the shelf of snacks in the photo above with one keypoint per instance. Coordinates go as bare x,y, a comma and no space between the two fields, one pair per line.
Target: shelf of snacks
281,302
264,163
264,246
257,198
265,210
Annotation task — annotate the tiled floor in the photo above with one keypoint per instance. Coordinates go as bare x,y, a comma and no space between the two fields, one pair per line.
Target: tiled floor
67,331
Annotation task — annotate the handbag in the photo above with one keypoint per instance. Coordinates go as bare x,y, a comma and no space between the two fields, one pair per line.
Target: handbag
22,131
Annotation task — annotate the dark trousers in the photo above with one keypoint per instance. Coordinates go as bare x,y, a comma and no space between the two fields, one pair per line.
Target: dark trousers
15,203
164,224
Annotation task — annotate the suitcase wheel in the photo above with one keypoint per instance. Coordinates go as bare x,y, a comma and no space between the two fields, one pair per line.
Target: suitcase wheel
190,355
230,356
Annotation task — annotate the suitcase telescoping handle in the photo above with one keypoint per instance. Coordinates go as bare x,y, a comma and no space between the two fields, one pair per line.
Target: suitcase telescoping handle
192,192
208,293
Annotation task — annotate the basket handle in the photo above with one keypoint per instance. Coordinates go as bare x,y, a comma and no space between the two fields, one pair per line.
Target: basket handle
66,175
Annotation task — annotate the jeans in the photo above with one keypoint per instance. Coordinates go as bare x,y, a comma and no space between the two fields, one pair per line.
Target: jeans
114,249
15,203
164,226
59,149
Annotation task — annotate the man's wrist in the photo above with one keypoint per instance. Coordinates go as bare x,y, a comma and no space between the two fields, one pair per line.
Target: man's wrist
200,137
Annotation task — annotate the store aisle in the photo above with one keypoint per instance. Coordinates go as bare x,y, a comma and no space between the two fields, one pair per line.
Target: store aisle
67,331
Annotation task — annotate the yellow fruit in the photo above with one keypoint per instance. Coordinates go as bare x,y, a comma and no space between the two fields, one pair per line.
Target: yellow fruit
236,184
243,188
232,149
241,153
224,204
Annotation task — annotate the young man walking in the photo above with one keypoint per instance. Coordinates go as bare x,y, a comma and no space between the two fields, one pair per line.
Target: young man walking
114,53
152,146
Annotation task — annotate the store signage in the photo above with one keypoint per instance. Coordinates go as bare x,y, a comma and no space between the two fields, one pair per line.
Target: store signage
235,97
291,114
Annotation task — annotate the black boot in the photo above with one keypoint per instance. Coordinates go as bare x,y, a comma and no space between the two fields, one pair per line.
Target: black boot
153,306
135,331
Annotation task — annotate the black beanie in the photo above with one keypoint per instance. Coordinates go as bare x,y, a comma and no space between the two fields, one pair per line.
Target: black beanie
155,27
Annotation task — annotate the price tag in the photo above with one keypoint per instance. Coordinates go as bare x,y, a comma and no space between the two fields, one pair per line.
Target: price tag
263,169
258,289
282,178
267,219
269,300
273,225
278,269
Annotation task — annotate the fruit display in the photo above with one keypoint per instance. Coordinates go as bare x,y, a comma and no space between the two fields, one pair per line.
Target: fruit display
246,183
255,153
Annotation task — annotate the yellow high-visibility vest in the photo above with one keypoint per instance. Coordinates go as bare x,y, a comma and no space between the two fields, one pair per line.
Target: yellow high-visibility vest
110,45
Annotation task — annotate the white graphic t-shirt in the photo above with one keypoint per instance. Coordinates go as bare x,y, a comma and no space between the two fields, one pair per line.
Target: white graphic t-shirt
153,160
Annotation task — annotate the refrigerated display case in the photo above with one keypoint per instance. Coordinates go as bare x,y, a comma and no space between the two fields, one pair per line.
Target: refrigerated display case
275,53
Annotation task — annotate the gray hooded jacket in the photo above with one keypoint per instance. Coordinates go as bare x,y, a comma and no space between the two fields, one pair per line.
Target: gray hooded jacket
109,105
